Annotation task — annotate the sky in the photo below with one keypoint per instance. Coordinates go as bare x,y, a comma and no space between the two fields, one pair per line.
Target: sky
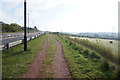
63,15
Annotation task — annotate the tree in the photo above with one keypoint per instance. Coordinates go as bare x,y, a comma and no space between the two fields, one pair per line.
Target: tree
13,27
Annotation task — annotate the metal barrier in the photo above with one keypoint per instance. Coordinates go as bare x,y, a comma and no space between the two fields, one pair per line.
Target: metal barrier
8,44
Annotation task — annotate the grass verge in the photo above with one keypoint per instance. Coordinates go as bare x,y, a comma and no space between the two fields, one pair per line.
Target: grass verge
106,52
15,60
85,63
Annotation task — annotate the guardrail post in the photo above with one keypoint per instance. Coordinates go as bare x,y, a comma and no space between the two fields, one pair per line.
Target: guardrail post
22,40
7,46
30,38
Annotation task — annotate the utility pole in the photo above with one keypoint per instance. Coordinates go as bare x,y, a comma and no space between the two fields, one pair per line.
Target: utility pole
28,23
25,37
33,26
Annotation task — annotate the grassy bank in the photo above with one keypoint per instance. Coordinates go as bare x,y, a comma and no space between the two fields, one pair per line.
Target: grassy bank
15,60
85,63
113,46
103,50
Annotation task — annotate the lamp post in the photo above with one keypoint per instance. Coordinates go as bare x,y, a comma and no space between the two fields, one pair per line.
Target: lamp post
25,37
28,23
33,26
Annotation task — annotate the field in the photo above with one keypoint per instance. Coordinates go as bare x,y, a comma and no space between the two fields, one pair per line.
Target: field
113,46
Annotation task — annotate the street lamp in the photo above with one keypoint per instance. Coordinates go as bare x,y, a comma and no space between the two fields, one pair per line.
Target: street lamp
33,26
25,37
28,23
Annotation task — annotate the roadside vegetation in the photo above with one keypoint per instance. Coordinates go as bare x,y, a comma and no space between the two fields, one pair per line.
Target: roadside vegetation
104,51
85,62
112,44
14,27
47,70
15,60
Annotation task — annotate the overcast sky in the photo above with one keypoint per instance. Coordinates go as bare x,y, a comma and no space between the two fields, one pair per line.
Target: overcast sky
64,15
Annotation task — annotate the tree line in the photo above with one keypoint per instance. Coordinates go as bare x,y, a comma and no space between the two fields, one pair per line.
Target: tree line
14,27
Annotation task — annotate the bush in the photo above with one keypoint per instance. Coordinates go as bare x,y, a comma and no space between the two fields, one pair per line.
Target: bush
81,51
86,52
118,74
93,54
105,66
71,43
66,41
76,48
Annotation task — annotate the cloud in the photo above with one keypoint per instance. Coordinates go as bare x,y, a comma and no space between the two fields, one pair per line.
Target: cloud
11,12
11,0
91,16
73,14
43,4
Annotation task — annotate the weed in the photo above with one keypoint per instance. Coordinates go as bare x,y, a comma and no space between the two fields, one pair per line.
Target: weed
104,51
105,66
83,63
94,55
86,52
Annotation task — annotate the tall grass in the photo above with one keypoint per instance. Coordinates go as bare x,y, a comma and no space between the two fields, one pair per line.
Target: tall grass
106,52
84,63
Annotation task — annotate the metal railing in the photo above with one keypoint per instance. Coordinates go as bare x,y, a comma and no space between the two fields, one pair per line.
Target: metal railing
10,42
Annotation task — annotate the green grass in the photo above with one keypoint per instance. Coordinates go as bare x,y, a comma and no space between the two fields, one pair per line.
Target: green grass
103,50
15,60
84,62
47,70
50,51
114,46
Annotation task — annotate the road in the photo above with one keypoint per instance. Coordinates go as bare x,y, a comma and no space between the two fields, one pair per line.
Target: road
15,38
11,37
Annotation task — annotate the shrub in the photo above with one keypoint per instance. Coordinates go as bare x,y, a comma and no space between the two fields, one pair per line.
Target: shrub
66,41
96,60
104,51
118,74
71,43
105,66
81,51
86,52
93,54
112,67
76,48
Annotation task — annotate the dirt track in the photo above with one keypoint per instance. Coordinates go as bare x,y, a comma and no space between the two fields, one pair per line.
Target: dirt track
60,68
35,66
